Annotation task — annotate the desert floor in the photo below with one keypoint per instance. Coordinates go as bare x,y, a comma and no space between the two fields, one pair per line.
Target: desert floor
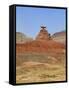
40,67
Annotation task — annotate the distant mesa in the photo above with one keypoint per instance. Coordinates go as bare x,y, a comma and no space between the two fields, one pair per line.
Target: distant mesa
59,37
43,34
59,33
22,38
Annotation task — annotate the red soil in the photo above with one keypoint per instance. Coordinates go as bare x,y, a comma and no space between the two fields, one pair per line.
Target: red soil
40,46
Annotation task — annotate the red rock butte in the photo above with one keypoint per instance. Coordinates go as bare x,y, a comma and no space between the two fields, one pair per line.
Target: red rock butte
43,34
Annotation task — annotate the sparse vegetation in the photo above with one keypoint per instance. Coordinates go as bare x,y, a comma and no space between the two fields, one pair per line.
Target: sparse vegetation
38,67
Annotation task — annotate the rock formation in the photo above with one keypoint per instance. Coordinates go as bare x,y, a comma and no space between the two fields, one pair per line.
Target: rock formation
59,37
42,43
22,38
43,34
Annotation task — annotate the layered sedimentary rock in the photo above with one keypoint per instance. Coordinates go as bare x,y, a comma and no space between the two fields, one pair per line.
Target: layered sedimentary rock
43,34
22,38
59,37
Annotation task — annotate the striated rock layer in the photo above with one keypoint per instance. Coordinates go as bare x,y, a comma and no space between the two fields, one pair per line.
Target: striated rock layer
43,34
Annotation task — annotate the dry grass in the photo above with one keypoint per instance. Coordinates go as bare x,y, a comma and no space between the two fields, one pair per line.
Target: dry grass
40,67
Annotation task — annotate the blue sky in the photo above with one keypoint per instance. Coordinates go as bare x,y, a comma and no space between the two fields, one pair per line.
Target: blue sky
29,20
